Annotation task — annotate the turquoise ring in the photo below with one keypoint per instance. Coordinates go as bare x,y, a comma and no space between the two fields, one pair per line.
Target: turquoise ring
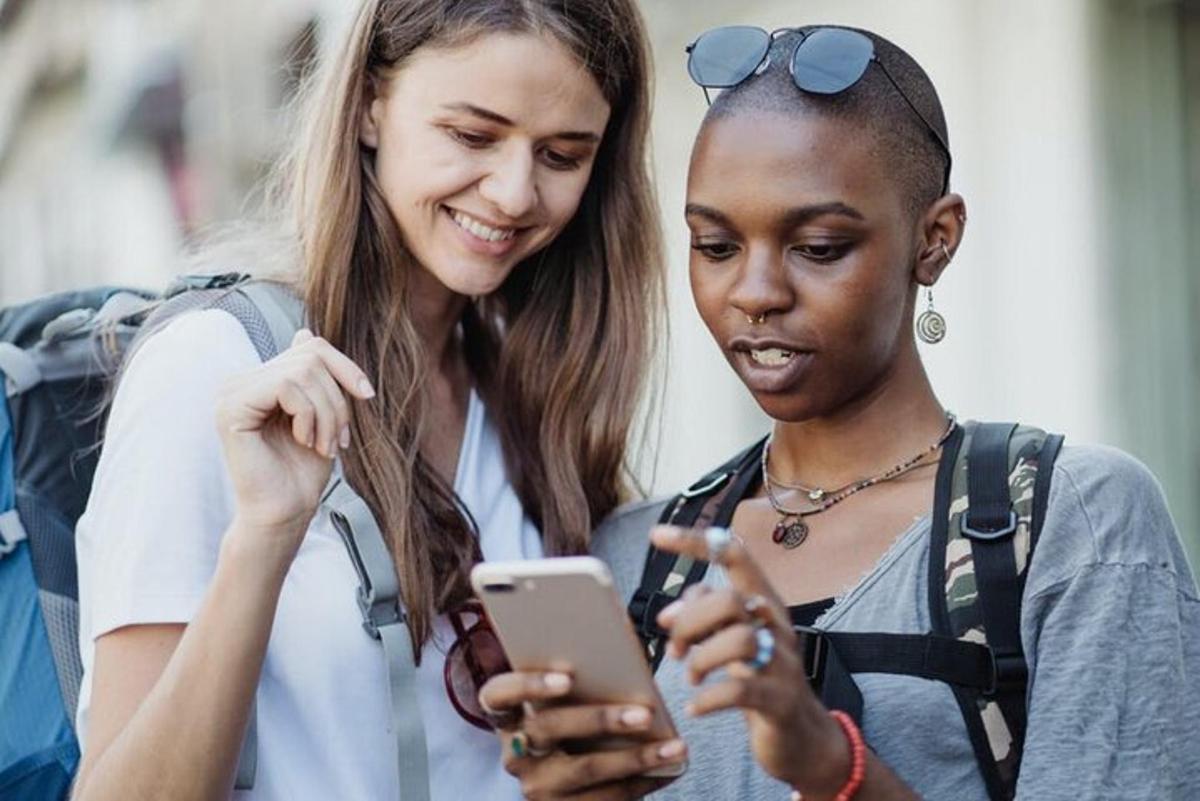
765,649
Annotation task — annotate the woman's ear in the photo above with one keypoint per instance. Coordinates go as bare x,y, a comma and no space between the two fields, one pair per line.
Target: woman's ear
941,230
372,114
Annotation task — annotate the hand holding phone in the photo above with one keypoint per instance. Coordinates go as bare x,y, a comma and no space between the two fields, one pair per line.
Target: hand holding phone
593,712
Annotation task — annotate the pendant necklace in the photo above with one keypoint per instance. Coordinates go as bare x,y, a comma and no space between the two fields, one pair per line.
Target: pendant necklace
791,531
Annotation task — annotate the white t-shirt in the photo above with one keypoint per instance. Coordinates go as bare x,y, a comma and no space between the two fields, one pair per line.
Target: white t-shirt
147,549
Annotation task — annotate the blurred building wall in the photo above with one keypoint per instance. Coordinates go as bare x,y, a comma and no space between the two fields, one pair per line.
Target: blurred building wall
127,125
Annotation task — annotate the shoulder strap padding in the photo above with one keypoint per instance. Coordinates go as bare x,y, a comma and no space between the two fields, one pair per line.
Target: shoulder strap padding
988,499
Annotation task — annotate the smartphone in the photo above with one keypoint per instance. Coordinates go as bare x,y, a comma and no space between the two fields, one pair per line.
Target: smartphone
564,614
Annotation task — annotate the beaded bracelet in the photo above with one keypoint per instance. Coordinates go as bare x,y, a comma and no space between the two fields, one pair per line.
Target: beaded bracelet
858,755
858,758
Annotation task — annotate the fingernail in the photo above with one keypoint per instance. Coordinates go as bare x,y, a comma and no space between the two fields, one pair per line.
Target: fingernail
557,682
666,534
667,615
689,710
333,449
635,717
345,437
365,389
672,750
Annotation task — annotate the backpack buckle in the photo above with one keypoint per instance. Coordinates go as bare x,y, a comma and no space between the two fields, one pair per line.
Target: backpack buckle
378,612
1008,671
988,535
813,645
708,486
12,533
644,609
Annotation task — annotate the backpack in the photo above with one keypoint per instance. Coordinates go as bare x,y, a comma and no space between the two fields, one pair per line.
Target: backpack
990,499
58,355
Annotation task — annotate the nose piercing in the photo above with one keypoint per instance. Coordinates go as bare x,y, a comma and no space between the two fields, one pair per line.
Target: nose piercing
756,319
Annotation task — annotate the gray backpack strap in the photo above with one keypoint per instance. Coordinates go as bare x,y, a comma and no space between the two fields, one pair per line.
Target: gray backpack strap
274,307
282,311
247,767
384,619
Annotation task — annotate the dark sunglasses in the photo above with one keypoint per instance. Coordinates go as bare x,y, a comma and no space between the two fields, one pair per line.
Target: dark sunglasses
475,656
826,61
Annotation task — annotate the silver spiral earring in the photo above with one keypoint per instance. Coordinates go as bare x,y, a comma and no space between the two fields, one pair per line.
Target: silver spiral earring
931,326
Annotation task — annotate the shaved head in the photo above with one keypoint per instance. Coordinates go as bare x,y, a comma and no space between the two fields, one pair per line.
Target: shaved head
914,159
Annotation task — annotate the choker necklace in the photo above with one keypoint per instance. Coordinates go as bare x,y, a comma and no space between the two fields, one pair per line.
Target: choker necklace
791,530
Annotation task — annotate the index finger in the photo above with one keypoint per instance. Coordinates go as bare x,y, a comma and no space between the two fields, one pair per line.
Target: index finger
343,369
744,573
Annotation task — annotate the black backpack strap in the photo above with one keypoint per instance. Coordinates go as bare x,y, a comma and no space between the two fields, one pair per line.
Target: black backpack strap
989,506
710,501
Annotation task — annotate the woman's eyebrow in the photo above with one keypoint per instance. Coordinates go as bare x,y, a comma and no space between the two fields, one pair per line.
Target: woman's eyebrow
800,215
500,119
707,212
791,218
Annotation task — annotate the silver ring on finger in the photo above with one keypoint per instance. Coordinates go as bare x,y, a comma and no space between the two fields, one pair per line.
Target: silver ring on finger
718,539
764,642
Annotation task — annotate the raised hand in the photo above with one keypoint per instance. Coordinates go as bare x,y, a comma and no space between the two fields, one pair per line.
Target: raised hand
792,735
281,426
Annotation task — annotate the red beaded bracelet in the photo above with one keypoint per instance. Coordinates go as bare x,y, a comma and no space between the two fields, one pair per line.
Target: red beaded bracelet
858,755
858,758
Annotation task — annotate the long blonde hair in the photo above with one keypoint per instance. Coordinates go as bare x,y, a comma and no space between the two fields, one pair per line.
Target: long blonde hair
559,353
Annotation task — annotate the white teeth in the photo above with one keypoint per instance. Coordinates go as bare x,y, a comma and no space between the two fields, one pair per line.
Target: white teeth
486,233
772,357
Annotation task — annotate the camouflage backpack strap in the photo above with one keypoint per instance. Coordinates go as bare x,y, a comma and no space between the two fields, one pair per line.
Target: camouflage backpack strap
710,501
989,506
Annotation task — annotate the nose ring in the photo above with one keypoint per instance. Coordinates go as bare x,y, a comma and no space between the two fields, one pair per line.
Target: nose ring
756,319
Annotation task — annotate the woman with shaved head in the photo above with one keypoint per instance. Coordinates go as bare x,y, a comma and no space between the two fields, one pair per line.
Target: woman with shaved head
900,605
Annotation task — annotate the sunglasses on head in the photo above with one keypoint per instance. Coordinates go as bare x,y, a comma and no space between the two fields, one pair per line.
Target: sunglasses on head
825,61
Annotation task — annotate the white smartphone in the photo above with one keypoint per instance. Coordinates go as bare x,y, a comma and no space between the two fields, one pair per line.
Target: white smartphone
564,614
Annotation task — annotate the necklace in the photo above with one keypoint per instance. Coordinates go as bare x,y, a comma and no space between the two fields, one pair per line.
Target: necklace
791,531
815,494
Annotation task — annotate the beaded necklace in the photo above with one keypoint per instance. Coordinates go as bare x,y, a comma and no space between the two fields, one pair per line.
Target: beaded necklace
791,531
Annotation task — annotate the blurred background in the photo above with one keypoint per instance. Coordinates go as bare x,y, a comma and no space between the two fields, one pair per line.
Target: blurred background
127,126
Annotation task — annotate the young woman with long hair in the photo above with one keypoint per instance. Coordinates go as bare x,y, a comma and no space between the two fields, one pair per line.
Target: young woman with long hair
476,248
818,202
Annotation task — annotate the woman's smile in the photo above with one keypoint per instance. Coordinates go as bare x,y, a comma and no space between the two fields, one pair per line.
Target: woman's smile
481,237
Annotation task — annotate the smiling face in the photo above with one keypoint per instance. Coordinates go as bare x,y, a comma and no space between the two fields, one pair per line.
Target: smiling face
483,152
793,221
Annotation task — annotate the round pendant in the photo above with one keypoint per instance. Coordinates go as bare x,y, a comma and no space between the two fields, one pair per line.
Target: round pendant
790,532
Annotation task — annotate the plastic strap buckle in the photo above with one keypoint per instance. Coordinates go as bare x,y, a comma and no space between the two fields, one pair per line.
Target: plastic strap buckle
376,610
988,535
12,533
813,644
1008,671
704,487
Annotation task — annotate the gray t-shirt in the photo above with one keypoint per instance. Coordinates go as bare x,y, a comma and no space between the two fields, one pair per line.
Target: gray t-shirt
1111,628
